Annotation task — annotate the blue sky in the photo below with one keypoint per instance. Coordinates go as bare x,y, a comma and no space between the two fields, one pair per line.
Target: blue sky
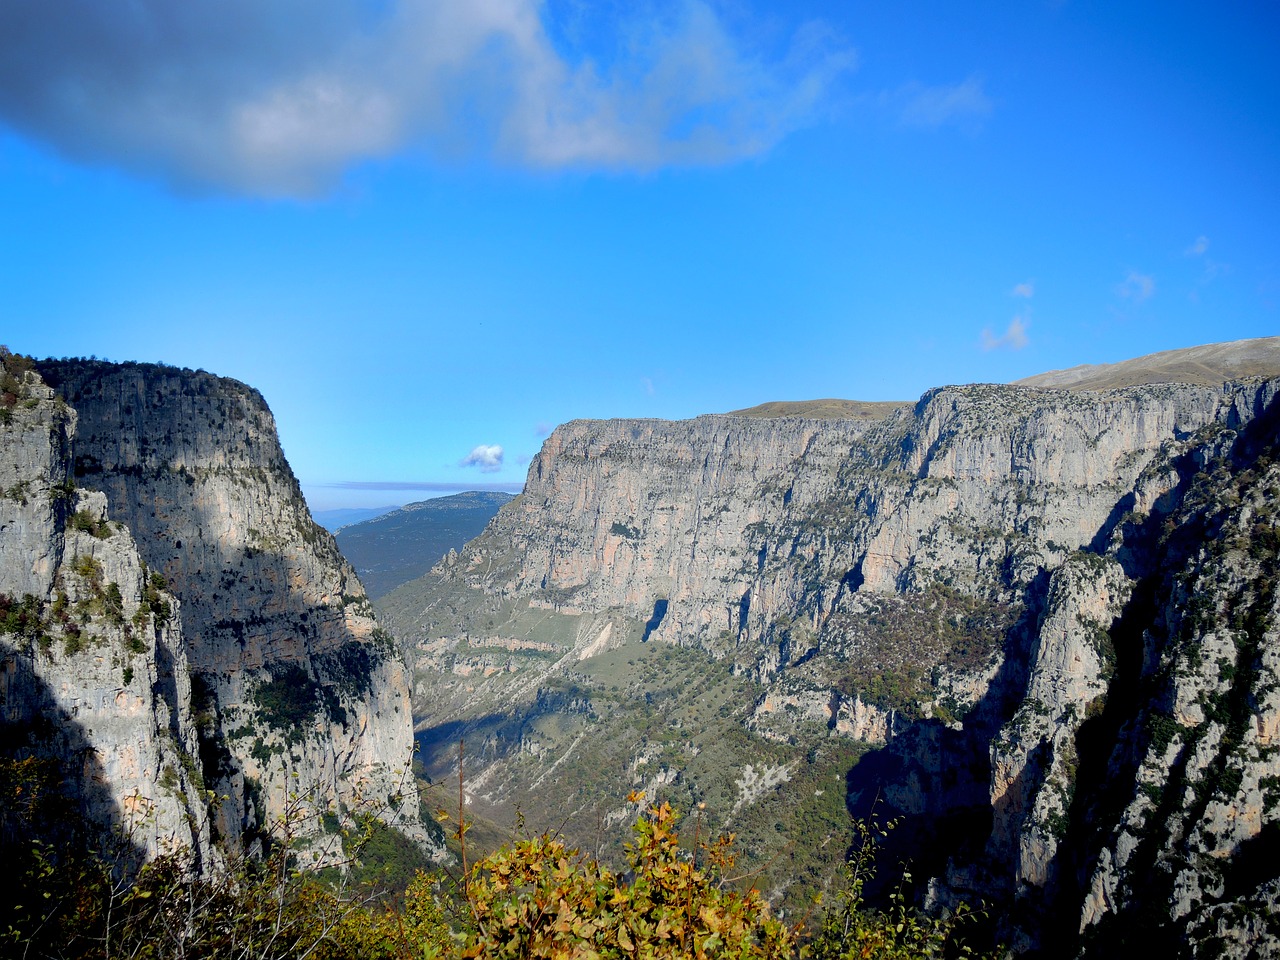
430,231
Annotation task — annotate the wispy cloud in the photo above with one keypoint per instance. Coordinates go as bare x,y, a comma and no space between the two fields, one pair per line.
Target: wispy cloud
487,457
429,486
1211,268
933,106
280,98
1015,337
543,429
646,384
1137,286
1026,290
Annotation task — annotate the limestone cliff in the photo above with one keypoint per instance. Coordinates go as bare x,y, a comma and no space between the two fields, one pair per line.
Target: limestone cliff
290,697
983,595
94,684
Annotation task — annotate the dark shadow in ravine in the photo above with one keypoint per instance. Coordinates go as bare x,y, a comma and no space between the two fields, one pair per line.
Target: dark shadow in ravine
488,736
936,779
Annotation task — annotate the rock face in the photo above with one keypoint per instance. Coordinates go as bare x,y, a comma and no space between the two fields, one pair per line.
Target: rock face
94,683
290,699
1044,618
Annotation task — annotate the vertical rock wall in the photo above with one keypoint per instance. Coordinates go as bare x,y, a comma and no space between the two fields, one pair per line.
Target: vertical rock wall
1050,615
301,703
94,682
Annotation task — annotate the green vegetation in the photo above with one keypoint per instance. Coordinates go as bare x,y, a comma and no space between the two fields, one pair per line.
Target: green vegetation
90,524
534,897
351,666
23,618
18,492
538,898
154,603
62,493
15,374
849,930
669,720
288,701
903,639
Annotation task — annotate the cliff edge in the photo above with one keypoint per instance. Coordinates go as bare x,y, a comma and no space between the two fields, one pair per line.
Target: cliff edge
166,492
1036,623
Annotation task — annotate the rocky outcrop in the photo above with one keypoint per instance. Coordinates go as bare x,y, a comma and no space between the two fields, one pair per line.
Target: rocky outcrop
288,700
94,685
1196,829
986,589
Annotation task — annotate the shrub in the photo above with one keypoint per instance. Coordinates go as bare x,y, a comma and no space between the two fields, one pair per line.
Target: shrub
539,899
87,522
289,701
532,898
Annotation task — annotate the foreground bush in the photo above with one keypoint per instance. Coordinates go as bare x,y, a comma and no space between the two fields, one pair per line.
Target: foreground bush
851,930
539,899
535,898
262,910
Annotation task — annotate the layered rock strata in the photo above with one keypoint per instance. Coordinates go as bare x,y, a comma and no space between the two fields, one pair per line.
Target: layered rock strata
990,588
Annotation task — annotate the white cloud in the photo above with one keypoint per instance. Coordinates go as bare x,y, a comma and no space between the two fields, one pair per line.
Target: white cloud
1015,337
1198,248
926,106
1026,290
1137,286
280,98
647,385
487,457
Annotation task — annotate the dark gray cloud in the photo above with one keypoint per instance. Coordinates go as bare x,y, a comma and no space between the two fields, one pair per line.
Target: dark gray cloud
279,97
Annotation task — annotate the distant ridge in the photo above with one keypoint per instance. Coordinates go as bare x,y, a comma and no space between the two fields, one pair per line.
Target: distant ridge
404,544
823,409
1206,365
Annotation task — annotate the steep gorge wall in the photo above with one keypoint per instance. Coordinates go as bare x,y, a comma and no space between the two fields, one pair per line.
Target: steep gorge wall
1009,592
733,521
94,685
300,701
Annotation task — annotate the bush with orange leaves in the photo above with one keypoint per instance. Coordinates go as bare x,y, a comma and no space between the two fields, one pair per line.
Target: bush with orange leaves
538,898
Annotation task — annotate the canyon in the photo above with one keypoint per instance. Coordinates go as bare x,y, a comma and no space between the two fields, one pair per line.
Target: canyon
1035,623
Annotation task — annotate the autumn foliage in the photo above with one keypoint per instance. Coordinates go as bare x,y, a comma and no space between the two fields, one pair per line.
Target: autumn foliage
540,899
533,898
